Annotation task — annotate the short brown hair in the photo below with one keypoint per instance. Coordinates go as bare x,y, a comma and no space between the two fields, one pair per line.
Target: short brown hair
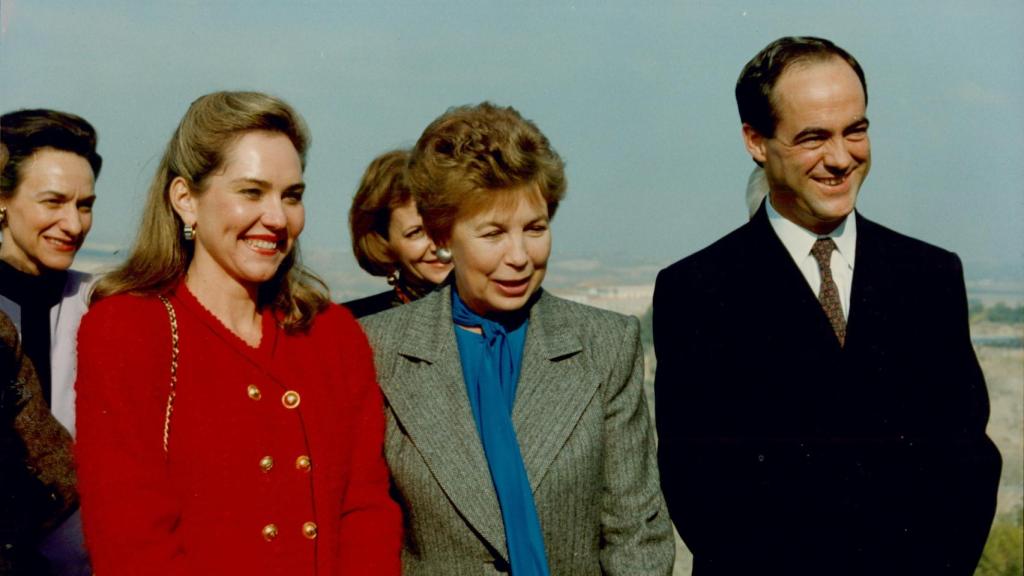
470,153
199,146
382,190
754,86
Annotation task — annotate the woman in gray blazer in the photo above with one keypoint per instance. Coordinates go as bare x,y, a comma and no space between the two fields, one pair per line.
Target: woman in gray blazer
517,430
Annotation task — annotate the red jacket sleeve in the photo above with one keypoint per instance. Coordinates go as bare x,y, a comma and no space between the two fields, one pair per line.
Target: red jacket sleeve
128,507
371,528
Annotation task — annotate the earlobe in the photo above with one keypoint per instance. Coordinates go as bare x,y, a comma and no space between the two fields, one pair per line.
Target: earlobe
182,200
755,143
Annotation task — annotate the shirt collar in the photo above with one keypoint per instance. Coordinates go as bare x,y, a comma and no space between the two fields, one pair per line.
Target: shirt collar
799,240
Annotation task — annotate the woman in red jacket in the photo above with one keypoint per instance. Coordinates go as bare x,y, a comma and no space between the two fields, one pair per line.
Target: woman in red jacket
228,417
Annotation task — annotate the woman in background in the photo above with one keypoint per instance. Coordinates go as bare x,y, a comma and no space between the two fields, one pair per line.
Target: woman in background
388,237
229,422
517,430
49,169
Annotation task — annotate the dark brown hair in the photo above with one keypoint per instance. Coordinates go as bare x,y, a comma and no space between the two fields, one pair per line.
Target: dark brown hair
382,190
758,78
25,132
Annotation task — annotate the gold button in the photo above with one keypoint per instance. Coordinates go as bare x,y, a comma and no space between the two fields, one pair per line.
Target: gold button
309,530
266,463
291,399
253,392
269,532
303,463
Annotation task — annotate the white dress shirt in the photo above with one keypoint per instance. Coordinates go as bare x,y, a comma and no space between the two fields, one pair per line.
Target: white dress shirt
798,242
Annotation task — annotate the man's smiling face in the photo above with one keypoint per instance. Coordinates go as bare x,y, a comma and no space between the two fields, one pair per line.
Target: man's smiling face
820,152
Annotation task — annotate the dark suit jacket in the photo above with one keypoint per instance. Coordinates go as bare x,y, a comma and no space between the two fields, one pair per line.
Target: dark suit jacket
581,420
37,473
782,452
362,307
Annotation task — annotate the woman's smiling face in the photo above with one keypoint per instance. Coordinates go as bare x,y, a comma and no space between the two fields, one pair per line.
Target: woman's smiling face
414,252
49,213
249,213
501,251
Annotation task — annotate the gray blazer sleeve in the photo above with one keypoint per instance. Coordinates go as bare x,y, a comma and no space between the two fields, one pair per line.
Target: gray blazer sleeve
635,529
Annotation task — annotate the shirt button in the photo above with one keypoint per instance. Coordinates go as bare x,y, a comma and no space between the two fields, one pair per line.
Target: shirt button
303,463
253,392
309,530
269,532
266,463
291,399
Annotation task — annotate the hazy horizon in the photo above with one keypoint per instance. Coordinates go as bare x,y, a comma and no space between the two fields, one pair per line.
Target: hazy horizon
636,98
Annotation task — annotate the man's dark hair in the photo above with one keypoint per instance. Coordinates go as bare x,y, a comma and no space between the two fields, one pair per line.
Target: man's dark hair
25,132
758,78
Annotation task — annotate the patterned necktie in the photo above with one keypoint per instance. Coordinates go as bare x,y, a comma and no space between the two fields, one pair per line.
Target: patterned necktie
828,294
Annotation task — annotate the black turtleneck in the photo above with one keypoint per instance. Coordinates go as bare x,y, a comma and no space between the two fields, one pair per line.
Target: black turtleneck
35,295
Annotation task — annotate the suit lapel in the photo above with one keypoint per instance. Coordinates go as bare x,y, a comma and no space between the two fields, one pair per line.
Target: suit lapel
427,393
785,288
866,307
553,388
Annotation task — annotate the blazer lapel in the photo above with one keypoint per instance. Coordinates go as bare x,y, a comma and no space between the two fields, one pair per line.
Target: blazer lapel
428,395
553,388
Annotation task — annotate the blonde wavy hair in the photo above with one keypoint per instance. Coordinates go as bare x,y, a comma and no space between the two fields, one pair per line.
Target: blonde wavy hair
160,256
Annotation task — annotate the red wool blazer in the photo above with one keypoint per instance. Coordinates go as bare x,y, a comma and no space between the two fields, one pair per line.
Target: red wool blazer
275,459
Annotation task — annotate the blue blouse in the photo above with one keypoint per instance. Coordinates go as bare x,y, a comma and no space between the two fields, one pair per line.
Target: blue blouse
491,363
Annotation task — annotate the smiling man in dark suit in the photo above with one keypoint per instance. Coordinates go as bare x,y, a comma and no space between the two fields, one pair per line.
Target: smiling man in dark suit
820,408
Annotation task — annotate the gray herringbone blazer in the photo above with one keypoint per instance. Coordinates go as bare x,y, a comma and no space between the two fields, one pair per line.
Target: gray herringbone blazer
583,428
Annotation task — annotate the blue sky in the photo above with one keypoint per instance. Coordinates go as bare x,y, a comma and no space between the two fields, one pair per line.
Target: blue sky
636,96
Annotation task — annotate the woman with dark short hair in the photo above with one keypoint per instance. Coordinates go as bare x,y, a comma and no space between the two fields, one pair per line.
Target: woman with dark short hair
229,422
49,169
518,435
50,165
389,239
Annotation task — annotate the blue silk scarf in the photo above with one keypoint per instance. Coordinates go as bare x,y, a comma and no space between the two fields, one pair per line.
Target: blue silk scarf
490,367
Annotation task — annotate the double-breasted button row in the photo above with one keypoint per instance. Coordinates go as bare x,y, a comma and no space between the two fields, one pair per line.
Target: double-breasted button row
302,463
309,531
290,399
